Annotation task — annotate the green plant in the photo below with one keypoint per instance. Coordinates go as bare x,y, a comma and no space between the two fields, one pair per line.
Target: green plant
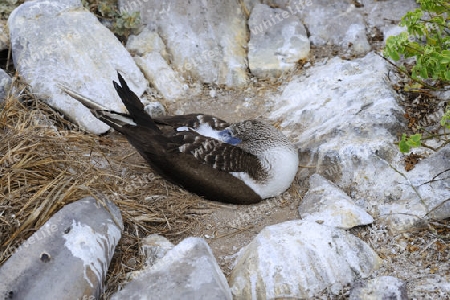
406,143
122,23
427,40
445,121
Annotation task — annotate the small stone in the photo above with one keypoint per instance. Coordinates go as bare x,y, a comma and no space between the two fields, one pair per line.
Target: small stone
155,109
384,287
5,84
326,204
155,247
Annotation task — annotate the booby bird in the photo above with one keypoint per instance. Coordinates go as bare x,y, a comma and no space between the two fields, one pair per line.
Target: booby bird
240,163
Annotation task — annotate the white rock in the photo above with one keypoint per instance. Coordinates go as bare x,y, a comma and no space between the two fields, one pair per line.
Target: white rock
59,41
278,41
188,271
155,247
68,257
155,109
298,259
384,287
147,42
207,41
161,75
348,118
338,23
378,12
355,40
430,178
326,203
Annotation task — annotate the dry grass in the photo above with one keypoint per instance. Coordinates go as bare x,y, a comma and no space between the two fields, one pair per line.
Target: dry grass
46,163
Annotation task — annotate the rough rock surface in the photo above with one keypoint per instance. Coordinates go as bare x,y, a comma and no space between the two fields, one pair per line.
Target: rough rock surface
151,56
147,42
384,287
59,41
188,271
68,257
328,205
155,109
349,136
206,41
154,248
161,75
295,259
278,41
5,83
337,23
378,12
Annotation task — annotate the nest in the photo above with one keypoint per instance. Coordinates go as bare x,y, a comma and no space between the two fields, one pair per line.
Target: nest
47,162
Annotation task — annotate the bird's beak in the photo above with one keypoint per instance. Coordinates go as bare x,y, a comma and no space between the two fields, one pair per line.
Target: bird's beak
227,137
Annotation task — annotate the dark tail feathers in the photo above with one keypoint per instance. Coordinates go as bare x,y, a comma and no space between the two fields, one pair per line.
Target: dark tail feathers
134,105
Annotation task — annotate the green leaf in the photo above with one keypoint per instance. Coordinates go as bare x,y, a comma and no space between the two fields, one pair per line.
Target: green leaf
445,120
414,140
404,147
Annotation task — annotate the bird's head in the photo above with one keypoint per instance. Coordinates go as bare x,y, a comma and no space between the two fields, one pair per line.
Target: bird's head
253,136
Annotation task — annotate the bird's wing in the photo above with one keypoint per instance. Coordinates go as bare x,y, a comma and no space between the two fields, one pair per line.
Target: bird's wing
192,121
218,155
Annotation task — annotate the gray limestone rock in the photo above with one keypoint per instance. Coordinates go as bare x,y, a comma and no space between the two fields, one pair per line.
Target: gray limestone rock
206,41
382,288
299,259
152,58
5,84
278,41
68,257
337,23
154,248
59,41
161,75
378,12
187,271
155,109
326,204
349,132
147,42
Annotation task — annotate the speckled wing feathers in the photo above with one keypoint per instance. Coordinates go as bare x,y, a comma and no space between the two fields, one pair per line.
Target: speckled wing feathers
221,156
192,121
